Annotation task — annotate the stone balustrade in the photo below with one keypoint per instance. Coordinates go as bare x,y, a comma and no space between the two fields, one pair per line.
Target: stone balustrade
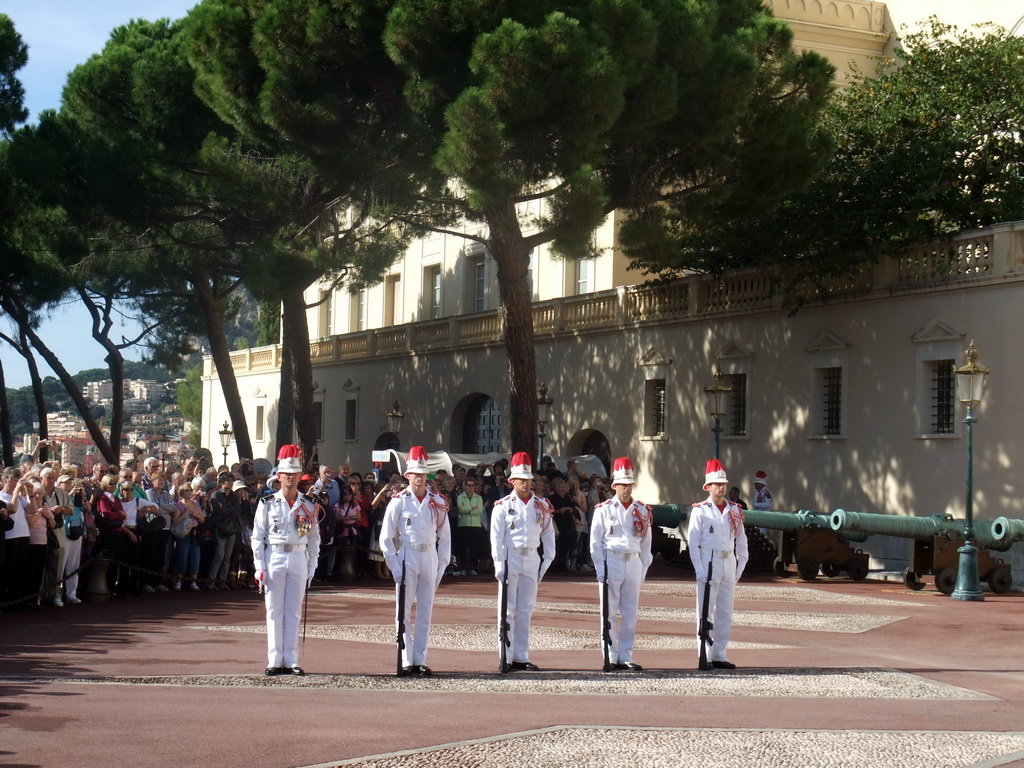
992,253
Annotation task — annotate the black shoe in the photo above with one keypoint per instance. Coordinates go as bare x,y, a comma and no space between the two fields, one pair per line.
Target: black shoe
424,670
406,671
273,671
723,665
630,666
609,667
294,670
525,666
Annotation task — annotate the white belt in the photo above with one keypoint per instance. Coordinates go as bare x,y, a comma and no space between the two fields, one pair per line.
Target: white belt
725,555
418,547
525,550
287,547
623,555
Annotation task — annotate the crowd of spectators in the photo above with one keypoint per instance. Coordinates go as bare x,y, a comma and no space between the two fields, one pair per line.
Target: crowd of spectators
188,527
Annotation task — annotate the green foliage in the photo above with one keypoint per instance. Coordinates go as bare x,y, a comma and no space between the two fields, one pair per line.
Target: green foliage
190,395
13,56
928,145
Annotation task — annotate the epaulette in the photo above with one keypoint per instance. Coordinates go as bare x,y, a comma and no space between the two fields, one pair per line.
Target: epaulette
544,504
439,500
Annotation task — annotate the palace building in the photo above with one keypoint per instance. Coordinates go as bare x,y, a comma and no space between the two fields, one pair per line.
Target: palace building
848,403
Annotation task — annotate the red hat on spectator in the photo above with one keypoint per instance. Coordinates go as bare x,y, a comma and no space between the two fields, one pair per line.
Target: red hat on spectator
288,459
714,472
622,472
416,461
521,467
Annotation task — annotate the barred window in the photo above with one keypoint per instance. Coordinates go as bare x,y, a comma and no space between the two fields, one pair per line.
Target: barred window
832,400
350,418
260,419
318,419
737,404
943,396
654,407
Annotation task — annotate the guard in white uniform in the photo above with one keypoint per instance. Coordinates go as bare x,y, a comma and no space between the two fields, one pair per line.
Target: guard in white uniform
416,535
520,523
620,546
285,547
715,531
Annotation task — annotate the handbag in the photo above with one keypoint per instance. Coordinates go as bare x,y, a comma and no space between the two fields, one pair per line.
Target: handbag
74,531
183,527
52,542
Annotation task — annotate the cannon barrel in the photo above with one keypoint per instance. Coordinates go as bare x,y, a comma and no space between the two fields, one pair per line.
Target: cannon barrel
985,535
677,516
922,528
671,515
1006,532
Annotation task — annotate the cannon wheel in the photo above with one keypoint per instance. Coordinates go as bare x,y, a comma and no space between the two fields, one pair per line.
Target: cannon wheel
830,568
857,568
945,580
1001,579
912,580
780,569
807,567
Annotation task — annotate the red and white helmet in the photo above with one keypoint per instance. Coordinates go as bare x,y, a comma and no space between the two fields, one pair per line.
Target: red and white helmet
714,472
521,467
416,460
761,477
622,472
289,459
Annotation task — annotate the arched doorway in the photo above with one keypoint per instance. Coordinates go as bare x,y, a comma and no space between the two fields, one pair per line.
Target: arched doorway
594,442
386,441
481,425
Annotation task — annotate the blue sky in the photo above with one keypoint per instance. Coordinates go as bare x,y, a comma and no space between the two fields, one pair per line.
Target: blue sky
61,34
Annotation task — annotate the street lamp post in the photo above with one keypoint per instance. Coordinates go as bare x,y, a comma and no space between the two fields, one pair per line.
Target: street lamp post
225,440
395,416
970,382
718,399
543,415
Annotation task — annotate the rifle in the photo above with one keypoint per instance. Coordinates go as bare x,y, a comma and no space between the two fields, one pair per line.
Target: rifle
705,627
504,641
400,619
606,620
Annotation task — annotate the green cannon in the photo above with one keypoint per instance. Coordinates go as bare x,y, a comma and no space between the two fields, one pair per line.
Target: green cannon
1006,533
804,538
936,541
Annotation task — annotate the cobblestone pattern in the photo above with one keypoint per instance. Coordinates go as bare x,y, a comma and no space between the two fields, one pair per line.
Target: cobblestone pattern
477,637
843,683
773,594
685,748
808,622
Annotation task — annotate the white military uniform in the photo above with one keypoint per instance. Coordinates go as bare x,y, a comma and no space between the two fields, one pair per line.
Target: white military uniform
762,497
416,534
717,534
620,540
287,556
518,528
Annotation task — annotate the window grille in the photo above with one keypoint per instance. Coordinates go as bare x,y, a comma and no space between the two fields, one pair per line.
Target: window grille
943,396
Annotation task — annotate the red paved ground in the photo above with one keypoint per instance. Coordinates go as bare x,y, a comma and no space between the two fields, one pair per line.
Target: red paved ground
973,645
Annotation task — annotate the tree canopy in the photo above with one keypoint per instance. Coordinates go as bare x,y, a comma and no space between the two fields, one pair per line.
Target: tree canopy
672,111
927,145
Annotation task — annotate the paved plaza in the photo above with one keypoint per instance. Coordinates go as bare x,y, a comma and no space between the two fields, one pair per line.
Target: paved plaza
831,673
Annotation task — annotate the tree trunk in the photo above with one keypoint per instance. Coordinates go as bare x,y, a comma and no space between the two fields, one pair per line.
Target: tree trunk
7,455
37,395
285,432
513,259
222,360
19,314
296,332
